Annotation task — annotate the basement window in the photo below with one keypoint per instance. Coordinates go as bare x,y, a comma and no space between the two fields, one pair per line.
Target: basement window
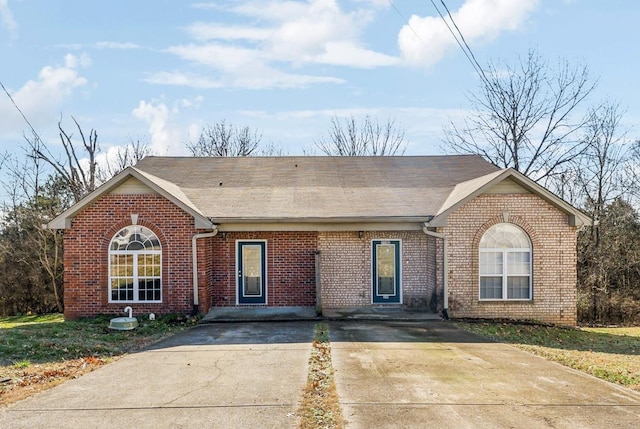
505,264
135,266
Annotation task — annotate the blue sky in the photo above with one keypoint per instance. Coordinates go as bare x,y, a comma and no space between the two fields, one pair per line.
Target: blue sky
160,70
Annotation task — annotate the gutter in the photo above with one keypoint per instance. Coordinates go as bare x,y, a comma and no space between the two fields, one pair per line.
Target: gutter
445,277
194,254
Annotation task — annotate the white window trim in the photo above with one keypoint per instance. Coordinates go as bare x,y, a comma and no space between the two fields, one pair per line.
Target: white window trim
135,253
505,275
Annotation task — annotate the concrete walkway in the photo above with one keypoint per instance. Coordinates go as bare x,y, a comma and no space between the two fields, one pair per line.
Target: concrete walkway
248,375
415,375
283,314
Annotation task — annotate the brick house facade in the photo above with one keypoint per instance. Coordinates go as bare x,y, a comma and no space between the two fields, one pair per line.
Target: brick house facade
313,231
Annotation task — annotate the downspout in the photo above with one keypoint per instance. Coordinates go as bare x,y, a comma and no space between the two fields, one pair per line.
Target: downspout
194,254
445,264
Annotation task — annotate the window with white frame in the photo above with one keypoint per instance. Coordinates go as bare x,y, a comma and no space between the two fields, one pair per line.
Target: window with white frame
135,266
505,263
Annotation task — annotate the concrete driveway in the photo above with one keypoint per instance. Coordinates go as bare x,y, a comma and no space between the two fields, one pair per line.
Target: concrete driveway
388,374
248,375
416,375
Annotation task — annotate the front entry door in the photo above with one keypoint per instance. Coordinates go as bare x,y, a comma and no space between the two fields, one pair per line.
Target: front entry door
386,271
251,272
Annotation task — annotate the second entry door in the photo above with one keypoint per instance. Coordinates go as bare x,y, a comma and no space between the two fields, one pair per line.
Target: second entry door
386,272
251,272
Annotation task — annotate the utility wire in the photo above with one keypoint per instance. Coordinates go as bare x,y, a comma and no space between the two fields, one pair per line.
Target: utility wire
407,21
33,130
457,35
473,59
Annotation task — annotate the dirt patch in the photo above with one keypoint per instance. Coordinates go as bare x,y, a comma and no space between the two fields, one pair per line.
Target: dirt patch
17,383
320,406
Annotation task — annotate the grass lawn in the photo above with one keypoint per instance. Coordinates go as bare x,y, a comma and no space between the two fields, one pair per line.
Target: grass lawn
38,352
612,354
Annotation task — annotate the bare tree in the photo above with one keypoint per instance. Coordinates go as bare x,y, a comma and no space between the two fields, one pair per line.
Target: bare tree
222,139
370,137
271,149
599,175
81,176
601,171
524,117
125,156
30,256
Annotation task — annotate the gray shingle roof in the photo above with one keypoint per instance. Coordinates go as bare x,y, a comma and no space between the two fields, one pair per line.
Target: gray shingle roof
316,188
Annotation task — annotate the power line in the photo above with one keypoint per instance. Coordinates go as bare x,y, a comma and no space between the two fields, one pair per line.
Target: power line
406,21
457,35
473,59
33,130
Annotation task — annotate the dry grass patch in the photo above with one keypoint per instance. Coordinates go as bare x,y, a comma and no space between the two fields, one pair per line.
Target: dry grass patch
612,354
320,407
40,352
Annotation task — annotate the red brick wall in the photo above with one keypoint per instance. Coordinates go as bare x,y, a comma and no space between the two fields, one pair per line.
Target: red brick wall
554,259
86,247
290,260
290,267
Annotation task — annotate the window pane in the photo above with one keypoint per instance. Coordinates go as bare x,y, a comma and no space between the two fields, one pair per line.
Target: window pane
135,237
386,268
149,290
252,266
518,288
491,288
491,263
504,236
122,289
135,273
518,263
121,265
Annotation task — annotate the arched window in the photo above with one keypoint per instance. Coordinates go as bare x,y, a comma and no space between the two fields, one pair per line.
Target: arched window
135,266
505,263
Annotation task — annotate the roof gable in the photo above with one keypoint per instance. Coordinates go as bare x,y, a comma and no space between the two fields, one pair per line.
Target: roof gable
466,191
123,181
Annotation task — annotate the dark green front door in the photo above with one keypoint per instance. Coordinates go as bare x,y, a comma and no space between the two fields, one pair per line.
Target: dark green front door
386,271
251,272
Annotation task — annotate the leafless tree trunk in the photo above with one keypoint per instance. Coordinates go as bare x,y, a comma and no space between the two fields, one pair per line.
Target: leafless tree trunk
30,256
600,177
368,138
125,156
524,117
221,139
81,180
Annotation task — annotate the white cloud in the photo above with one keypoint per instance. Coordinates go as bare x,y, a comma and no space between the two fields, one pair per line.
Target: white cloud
166,136
8,22
425,40
40,99
74,62
117,45
192,104
99,45
235,67
205,6
182,79
202,31
281,34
